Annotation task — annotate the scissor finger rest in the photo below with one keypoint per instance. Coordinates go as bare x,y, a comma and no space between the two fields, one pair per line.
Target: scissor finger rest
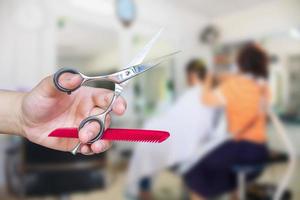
56,80
93,119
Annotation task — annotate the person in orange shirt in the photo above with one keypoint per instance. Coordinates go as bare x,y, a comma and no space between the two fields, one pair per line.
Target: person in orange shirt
245,98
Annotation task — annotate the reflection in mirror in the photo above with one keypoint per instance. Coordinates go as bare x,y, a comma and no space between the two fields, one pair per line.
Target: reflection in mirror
284,49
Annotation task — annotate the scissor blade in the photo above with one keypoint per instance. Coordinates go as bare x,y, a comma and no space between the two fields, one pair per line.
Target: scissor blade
138,59
141,68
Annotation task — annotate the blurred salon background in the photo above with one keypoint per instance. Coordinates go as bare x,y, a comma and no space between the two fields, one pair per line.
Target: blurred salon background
38,37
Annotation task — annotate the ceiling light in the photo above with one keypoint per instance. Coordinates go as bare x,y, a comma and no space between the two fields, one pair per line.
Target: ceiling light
105,7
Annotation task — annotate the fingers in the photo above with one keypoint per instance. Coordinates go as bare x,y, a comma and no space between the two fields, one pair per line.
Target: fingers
89,132
119,106
104,99
86,150
67,80
101,99
100,146
97,147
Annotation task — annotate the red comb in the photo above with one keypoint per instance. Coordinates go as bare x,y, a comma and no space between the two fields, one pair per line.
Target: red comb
130,135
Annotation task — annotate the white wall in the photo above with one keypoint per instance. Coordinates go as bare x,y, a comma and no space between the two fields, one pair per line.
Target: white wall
27,35
271,17
26,49
181,29
27,43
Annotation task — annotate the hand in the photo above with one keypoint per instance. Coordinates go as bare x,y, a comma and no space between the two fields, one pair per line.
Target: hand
45,108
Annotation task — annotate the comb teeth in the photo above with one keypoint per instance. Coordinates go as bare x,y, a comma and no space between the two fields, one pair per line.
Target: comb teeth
141,141
129,135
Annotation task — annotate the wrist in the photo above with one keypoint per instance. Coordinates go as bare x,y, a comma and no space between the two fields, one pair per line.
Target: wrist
10,112
19,115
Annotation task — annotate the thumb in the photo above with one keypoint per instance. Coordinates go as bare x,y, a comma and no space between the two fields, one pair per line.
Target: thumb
67,80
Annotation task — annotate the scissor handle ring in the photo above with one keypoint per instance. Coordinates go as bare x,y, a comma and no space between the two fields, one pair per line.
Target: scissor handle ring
57,76
93,119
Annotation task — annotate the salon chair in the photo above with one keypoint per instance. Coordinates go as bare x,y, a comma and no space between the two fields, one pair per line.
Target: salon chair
243,171
290,158
35,171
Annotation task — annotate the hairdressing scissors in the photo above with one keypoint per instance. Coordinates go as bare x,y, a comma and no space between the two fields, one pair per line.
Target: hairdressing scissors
120,80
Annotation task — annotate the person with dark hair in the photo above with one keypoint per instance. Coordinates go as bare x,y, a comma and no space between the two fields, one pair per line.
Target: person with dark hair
245,98
253,60
186,137
195,71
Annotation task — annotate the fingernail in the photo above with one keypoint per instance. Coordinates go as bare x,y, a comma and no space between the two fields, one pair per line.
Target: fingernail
104,147
101,147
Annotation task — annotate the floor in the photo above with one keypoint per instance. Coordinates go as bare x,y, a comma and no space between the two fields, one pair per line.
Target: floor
169,187
166,188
